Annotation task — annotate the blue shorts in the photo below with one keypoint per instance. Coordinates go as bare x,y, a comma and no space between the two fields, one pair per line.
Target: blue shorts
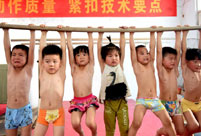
18,117
153,104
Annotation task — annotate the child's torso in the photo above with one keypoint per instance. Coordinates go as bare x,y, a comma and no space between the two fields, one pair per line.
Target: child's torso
146,81
82,81
51,90
18,87
192,85
168,85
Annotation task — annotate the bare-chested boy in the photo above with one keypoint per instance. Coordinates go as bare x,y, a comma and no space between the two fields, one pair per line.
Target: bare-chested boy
20,63
167,65
81,61
191,104
143,66
52,64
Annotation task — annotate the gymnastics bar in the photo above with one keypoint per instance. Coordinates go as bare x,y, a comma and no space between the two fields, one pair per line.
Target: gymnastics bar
77,41
84,39
86,29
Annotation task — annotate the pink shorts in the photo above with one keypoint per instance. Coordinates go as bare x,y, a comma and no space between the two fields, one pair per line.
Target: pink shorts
83,103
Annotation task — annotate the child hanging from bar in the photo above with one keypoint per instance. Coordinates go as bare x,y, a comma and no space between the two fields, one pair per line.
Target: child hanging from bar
20,63
114,88
191,72
167,65
143,66
52,64
81,61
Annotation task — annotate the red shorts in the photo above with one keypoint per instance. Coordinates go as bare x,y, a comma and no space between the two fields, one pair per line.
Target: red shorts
83,103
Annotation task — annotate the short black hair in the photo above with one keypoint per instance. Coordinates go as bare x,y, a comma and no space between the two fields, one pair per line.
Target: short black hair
192,54
22,47
105,50
168,50
52,49
139,46
80,48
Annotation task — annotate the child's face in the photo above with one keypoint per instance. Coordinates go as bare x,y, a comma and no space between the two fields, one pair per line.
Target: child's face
143,56
18,58
169,61
194,65
82,58
51,63
112,58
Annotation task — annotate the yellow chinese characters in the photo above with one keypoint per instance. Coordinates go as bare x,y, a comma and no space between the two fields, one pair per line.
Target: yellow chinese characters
31,6
155,7
49,6
139,6
107,6
16,4
124,5
2,6
74,6
91,6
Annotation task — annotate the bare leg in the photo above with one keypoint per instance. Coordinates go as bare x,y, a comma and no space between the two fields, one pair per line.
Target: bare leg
166,121
40,130
198,116
90,120
179,124
76,122
58,130
192,123
26,131
161,132
139,113
11,132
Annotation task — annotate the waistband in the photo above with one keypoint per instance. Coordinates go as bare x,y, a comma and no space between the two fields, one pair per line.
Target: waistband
28,105
184,100
168,101
44,110
85,97
147,98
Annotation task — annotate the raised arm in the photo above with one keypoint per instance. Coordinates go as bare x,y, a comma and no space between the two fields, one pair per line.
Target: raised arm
70,51
90,46
200,40
178,45
42,45
31,48
159,51
122,46
7,47
99,47
63,47
183,46
132,50
152,46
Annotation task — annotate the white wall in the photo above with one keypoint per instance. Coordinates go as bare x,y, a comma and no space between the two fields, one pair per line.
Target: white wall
189,12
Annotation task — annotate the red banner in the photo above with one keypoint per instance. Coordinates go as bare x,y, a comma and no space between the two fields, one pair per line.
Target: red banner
87,8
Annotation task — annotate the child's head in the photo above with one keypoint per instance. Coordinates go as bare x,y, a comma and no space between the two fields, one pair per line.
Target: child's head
52,55
143,56
193,59
111,54
169,57
81,55
19,55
